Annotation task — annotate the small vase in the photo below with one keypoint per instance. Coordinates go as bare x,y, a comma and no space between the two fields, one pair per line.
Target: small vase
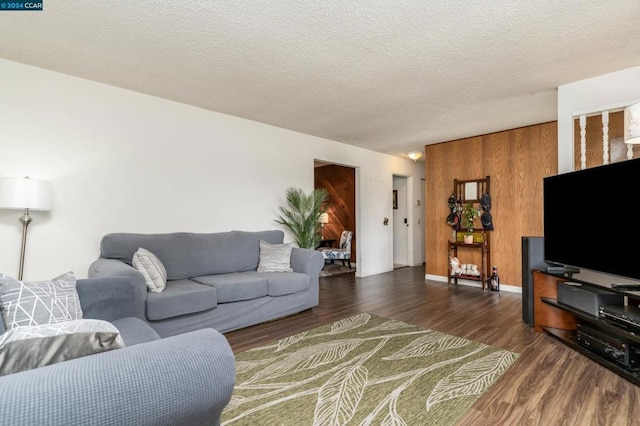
468,239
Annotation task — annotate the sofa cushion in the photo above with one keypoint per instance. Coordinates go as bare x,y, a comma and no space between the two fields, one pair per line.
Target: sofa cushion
281,283
180,297
154,272
187,255
236,286
39,302
32,346
275,257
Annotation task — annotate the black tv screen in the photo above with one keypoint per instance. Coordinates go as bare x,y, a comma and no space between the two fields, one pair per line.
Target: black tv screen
590,219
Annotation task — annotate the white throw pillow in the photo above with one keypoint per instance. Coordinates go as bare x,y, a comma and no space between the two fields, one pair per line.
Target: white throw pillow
26,347
275,257
155,275
39,302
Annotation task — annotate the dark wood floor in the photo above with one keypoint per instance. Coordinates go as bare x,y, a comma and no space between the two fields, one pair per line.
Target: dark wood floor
550,384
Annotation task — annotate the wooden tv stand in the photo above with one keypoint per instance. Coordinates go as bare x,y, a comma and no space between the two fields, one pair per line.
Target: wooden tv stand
561,321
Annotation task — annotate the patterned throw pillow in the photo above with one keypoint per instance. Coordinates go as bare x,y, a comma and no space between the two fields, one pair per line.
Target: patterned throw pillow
26,347
39,302
155,274
275,257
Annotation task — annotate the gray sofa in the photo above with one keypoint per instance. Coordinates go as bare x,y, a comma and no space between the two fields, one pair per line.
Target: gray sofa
186,379
212,279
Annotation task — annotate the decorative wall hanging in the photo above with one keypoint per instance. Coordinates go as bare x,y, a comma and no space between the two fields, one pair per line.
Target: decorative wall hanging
486,219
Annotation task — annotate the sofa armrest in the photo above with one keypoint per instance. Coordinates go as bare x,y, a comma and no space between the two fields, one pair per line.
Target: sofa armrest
307,261
102,267
184,379
108,298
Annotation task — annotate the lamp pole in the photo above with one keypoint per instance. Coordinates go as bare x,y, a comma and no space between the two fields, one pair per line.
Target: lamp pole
25,220
26,195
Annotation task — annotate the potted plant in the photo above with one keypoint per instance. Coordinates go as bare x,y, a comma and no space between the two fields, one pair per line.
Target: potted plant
301,215
469,214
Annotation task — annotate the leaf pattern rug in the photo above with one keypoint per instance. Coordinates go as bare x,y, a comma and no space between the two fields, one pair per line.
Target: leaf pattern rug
363,370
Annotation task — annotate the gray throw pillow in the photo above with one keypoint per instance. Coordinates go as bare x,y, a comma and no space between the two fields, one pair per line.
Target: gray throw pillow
26,347
275,257
39,302
154,272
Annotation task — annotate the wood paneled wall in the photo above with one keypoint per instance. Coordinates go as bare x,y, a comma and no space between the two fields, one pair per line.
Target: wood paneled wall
516,160
340,183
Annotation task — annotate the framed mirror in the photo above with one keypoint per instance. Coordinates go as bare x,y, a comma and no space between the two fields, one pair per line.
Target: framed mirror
470,191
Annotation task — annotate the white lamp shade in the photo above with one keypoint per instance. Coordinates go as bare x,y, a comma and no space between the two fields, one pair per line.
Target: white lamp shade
25,193
632,124
324,218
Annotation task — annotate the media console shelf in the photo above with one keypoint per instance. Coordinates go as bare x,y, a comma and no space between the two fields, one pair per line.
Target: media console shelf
561,321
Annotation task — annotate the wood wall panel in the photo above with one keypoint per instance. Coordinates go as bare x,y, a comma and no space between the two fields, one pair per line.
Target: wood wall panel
437,186
444,163
340,183
516,160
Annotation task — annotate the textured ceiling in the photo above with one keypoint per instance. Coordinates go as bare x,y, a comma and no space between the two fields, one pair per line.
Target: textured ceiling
390,75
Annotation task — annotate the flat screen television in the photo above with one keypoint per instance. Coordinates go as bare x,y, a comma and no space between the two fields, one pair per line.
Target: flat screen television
590,219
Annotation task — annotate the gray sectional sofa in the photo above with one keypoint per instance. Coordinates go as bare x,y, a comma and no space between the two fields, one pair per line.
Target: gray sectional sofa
186,379
212,279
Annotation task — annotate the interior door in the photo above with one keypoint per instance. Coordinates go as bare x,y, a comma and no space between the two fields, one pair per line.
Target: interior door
400,222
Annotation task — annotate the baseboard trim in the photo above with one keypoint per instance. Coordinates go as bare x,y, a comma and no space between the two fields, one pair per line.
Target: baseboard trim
469,283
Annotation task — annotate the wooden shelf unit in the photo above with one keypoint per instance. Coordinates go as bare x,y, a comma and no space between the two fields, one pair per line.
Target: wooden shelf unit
483,247
470,192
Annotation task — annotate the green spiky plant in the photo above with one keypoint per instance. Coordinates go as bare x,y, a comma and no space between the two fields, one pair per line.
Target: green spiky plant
301,214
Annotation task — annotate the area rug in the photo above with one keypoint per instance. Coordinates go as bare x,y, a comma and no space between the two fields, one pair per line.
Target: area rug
363,370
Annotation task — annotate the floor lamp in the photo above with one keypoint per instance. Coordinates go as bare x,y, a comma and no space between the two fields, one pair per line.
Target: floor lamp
25,194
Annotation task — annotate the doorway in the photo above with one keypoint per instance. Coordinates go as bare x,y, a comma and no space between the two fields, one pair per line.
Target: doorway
400,222
340,183
408,221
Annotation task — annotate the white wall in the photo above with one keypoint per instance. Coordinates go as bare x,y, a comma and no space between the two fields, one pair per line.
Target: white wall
122,161
605,92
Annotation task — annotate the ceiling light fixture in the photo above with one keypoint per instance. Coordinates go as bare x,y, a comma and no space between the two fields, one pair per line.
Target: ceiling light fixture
415,155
